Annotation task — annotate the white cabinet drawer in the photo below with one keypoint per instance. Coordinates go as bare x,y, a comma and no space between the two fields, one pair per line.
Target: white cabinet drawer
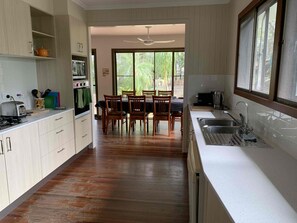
55,121
56,138
57,157
83,132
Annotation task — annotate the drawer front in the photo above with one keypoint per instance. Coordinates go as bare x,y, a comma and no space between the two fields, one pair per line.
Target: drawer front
56,138
82,141
83,132
57,157
55,121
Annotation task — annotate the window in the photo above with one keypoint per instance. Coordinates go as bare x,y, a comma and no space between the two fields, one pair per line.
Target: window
138,70
267,54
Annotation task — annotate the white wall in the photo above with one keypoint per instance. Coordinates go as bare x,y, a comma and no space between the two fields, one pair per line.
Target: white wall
18,76
104,46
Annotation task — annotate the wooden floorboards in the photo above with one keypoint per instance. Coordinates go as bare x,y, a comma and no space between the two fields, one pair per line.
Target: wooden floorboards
124,180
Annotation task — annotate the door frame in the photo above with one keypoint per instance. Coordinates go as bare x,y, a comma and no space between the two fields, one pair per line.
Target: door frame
94,53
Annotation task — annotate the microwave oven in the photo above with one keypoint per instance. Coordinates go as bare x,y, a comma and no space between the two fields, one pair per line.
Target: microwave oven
78,69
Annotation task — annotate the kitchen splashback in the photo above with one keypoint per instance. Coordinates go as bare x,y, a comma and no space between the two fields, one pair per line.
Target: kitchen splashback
18,76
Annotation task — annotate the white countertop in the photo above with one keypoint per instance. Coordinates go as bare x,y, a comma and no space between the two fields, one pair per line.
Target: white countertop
35,116
245,178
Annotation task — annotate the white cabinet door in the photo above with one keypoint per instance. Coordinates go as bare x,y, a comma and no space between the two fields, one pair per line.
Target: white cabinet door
4,197
18,27
3,37
78,36
23,161
83,132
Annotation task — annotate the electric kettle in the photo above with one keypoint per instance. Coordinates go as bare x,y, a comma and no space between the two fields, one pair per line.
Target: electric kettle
218,98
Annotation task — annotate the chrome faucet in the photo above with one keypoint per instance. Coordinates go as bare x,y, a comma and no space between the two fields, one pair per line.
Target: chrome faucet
243,123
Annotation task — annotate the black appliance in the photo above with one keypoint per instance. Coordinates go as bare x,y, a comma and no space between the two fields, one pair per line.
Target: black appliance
79,68
9,121
204,99
80,88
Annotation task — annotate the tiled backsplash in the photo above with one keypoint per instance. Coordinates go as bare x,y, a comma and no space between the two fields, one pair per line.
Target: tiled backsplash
18,76
205,84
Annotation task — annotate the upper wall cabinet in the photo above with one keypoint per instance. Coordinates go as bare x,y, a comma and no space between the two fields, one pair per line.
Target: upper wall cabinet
43,32
78,36
3,39
17,28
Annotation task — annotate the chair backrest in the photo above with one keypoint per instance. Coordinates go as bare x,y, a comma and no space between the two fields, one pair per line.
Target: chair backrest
149,92
127,93
113,104
162,105
137,104
165,93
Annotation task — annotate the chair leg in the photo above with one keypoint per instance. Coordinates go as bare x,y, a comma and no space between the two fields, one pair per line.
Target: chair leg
106,129
154,127
147,123
172,122
144,129
169,126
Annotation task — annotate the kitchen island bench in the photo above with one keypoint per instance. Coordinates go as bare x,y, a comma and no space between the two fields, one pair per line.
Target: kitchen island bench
250,184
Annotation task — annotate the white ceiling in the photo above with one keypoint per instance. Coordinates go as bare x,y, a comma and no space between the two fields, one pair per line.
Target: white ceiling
124,4
140,30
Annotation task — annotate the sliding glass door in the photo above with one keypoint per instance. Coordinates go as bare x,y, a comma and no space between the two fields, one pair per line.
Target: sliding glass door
149,70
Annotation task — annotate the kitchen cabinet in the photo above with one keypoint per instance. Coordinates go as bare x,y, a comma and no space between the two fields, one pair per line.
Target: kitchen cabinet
215,211
18,31
4,197
83,132
56,141
78,37
22,156
43,32
3,37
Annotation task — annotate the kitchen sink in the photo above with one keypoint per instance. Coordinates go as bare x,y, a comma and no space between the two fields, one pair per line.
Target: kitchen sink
225,132
217,122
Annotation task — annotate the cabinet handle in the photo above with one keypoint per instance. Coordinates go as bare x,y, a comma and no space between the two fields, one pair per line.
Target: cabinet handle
83,120
31,47
84,135
2,152
8,144
60,150
57,119
59,131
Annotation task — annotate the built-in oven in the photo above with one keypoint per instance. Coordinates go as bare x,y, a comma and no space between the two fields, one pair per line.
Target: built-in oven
82,96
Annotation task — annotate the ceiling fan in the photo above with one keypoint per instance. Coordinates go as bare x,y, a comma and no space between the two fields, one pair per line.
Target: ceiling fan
148,40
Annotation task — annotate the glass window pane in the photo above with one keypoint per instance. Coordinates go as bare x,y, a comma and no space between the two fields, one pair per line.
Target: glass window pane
144,71
265,31
287,88
245,53
163,70
179,71
124,65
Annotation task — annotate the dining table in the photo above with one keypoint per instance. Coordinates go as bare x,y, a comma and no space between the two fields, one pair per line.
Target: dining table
176,106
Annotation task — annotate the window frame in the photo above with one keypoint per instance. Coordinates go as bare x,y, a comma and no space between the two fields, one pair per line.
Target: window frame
133,51
282,105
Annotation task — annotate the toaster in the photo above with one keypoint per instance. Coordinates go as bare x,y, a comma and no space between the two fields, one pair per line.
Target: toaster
13,109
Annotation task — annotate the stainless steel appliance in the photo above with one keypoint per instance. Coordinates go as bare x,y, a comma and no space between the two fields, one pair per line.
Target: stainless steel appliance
79,68
218,98
14,109
81,89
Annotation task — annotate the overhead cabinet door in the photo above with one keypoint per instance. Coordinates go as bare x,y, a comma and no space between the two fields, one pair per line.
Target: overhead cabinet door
3,37
18,29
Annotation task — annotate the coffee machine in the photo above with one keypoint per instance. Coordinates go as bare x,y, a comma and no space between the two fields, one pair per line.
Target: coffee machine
218,98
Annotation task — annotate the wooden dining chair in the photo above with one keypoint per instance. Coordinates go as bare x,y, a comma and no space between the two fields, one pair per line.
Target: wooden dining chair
114,111
174,116
137,111
161,111
165,93
127,93
149,93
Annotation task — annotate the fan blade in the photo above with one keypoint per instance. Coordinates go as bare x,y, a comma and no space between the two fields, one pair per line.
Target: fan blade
142,40
130,41
165,41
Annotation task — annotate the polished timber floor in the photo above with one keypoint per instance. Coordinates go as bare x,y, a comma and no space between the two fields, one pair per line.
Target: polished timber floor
124,180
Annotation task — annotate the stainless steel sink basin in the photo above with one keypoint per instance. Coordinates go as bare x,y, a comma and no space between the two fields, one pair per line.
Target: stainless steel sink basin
225,132
217,122
221,129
